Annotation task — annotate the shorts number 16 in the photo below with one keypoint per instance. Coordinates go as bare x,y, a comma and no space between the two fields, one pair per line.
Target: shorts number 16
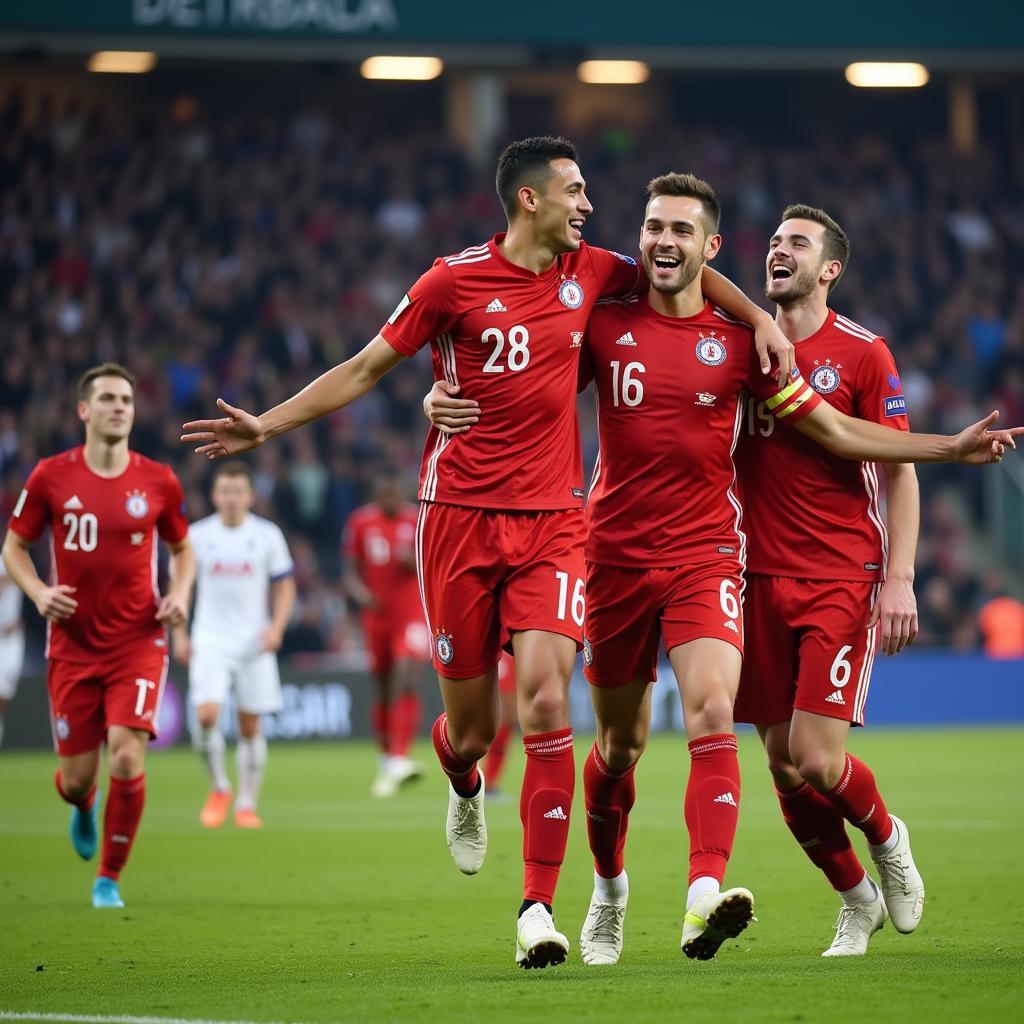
578,600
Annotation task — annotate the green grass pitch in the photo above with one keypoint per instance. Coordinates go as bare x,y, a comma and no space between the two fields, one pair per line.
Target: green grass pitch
348,909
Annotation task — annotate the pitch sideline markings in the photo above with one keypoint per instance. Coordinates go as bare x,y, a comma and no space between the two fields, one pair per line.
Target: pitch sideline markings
83,1018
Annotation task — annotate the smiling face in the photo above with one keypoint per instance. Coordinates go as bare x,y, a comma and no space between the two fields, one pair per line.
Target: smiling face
674,243
109,410
561,207
796,265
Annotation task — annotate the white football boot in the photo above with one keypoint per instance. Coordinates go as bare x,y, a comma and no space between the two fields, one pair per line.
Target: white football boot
714,917
856,923
466,829
601,938
901,883
538,942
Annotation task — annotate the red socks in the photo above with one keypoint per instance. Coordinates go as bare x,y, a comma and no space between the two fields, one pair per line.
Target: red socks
395,724
819,828
83,803
608,799
405,722
544,806
380,719
857,799
465,778
120,822
711,807
496,756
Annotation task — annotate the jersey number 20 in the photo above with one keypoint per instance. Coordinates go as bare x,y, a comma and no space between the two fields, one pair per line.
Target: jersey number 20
83,531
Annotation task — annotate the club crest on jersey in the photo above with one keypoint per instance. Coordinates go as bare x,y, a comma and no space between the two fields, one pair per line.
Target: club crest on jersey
136,506
444,647
825,376
577,339
711,349
570,294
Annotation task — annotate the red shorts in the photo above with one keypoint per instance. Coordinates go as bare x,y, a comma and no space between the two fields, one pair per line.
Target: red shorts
486,574
808,647
393,636
630,610
87,698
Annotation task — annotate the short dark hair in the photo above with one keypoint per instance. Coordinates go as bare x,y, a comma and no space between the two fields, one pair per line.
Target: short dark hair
528,162
85,382
835,243
233,468
691,187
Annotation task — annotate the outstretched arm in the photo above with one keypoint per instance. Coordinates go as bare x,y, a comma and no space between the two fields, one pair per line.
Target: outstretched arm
768,337
238,430
896,606
851,438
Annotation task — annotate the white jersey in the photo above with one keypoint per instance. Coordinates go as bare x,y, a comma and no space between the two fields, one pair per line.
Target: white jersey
236,565
10,604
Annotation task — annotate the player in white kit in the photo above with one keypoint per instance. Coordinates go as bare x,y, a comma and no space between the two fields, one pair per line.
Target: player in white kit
244,597
12,642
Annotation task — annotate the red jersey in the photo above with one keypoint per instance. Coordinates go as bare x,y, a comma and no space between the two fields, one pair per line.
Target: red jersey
670,394
103,543
826,523
510,338
383,550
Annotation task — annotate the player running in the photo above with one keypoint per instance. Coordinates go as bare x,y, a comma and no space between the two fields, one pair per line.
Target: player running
665,552
500,533
380,576
826,577
12,643
106,641
244,598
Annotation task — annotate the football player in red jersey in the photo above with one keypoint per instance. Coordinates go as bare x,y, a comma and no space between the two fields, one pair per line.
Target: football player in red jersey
500,533
105,505
829,583
380,576
666,549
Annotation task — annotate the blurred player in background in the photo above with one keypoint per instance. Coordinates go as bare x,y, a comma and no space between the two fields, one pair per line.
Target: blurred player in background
501,525
12,643
665,552
105,505
380,576
494,763
244,598
828,584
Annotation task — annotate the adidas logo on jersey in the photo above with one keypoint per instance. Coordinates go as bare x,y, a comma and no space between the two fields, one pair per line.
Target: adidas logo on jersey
557,813
495,306
705,398
73,502
729,624
726,798
836,698
626,339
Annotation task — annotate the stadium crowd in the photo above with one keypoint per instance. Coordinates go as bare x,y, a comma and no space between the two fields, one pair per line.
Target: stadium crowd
240,255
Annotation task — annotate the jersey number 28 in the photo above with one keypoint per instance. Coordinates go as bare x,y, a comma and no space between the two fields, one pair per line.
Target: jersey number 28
518,353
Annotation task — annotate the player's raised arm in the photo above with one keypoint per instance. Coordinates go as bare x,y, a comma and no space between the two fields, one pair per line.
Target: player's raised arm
768,337
851,438
239,431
